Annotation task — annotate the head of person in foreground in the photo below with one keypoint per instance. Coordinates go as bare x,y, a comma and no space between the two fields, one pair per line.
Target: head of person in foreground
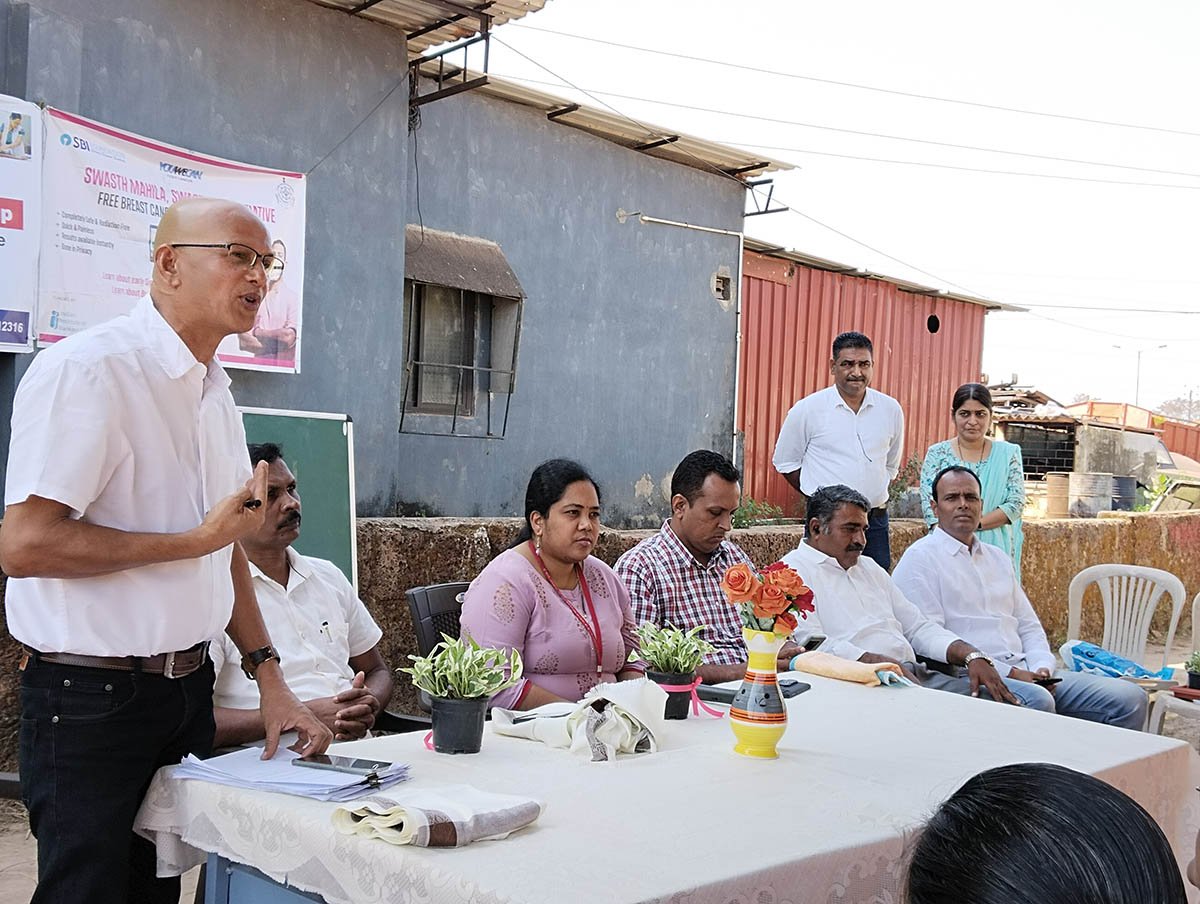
1043,834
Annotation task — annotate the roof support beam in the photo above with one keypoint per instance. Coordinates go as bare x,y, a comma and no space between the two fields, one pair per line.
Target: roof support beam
562,111
656,144
737,171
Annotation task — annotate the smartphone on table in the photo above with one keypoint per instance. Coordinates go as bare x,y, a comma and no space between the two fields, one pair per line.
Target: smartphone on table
341,764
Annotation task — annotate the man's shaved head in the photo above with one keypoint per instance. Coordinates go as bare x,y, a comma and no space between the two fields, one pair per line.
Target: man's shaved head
195,219
201,289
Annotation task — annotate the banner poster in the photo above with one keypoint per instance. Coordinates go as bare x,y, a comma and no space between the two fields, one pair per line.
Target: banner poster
20,207
104,192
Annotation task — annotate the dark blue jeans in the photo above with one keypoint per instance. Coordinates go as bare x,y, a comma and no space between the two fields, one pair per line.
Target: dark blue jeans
90,741
879,545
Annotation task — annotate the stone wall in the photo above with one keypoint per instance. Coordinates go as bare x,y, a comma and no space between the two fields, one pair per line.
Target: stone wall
398,553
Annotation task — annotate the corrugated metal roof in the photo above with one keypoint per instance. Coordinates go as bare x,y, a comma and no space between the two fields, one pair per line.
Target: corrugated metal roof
686,149
820,263
459,261
413,15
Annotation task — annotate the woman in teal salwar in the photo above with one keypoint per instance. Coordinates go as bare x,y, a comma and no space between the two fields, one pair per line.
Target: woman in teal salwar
996,463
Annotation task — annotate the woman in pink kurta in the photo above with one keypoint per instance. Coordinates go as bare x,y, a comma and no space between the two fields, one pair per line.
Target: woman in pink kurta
547,597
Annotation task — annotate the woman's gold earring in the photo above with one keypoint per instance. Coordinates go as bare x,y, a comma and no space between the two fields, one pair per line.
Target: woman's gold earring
537,543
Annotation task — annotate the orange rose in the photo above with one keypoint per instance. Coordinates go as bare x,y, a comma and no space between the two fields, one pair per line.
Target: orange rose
740,584
786,580
785,623
771,602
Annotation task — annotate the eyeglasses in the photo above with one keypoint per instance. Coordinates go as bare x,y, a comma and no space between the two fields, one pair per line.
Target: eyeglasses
243,256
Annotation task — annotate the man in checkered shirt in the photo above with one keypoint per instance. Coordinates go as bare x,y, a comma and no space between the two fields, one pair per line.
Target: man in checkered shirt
674,577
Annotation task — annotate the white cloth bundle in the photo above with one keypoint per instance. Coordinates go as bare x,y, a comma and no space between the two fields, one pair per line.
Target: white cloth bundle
622,717
446,816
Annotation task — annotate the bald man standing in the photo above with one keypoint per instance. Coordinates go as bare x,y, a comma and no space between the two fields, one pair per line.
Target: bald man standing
128,488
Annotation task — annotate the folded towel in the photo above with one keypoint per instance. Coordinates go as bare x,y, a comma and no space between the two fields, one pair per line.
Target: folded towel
446,816
622,717
830,666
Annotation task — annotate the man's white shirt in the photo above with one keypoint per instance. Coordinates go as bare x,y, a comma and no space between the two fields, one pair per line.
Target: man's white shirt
863,611
122,424
973,592
317,623
828,443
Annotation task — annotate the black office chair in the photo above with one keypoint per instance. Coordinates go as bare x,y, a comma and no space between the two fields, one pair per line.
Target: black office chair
435,611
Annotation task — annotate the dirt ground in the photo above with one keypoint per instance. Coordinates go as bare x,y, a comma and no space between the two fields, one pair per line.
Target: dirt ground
18,851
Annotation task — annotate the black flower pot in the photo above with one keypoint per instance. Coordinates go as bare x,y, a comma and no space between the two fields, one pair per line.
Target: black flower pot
458,724
678,702
1194,680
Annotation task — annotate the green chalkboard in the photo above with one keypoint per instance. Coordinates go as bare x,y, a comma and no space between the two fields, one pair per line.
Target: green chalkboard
319,448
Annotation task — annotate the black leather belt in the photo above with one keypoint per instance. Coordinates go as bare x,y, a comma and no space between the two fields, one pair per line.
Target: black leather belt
169,665
877,512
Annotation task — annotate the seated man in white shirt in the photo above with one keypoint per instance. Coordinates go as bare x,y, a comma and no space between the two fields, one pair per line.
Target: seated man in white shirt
326,640
970,588
863,612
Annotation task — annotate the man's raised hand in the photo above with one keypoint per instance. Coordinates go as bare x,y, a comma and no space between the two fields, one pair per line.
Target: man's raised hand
237,514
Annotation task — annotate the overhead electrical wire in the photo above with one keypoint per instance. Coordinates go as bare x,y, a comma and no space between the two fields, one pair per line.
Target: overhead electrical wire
783,205
965,169
592,92
653,133
860,87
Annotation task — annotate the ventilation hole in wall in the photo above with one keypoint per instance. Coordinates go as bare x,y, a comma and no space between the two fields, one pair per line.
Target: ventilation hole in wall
933,324
722,288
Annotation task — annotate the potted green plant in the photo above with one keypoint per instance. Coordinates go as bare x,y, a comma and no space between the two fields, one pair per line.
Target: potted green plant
673,656
1193,669
460,676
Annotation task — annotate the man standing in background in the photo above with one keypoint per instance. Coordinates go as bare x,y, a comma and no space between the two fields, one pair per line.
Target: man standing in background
847,434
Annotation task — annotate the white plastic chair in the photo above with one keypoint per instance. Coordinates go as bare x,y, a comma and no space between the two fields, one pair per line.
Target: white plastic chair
1131,594
1166,702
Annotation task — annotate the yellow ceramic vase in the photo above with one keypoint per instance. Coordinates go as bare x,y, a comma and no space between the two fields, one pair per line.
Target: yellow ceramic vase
758,715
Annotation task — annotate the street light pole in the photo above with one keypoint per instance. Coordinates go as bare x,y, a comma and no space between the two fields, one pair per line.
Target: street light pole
1137,380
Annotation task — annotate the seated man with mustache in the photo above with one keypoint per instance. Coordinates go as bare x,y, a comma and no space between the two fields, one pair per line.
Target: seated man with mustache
971,589
326,639
863,612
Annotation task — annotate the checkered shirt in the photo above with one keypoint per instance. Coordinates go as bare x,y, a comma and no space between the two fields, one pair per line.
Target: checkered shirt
669,587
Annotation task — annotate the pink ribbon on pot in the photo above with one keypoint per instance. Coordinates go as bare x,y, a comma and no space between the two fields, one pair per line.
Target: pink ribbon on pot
697,703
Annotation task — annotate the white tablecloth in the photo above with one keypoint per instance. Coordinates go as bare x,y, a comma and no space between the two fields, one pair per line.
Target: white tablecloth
859,768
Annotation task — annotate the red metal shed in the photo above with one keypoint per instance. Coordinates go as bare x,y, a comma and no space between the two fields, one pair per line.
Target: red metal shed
927,343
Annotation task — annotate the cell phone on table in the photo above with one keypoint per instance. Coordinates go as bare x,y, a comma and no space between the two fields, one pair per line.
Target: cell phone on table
341,764
790,687
1046,682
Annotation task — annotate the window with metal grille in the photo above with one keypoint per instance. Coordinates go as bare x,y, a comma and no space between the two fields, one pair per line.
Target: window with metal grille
441,349
460,359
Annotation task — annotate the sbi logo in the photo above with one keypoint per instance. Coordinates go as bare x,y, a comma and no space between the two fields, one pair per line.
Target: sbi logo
69,141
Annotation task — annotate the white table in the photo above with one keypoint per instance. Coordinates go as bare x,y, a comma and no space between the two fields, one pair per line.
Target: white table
826,822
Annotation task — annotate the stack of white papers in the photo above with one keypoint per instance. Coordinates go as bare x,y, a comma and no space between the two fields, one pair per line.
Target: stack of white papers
245,769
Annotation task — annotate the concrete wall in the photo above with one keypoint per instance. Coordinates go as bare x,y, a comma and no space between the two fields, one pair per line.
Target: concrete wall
397,553
276,83
626,359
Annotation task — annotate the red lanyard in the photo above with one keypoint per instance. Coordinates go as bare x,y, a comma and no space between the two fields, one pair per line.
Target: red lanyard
593,630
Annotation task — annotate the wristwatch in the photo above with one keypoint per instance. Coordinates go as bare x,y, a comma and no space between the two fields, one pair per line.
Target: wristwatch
979,654
252,660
